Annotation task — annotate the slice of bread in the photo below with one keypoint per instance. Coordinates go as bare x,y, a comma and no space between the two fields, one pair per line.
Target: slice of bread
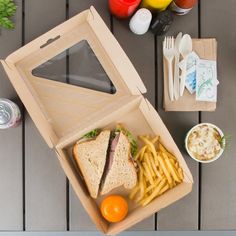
122,171
90,157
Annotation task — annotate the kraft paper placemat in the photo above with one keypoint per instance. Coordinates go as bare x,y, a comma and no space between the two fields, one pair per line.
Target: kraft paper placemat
206,49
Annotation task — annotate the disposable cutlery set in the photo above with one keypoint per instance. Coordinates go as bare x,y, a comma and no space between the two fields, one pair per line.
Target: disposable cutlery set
174,50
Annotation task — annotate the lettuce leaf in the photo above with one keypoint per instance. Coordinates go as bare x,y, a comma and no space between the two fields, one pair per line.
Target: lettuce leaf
92,134
132,140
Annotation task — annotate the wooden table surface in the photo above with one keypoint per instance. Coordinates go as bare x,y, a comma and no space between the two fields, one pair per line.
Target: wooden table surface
34,192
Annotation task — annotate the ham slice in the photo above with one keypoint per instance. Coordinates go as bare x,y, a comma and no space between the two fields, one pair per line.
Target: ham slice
110,157
113,145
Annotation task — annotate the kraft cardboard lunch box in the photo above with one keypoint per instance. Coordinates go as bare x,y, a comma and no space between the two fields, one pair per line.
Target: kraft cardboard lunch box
75,78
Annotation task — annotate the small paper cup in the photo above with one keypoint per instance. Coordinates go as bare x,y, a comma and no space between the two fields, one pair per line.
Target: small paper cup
188,151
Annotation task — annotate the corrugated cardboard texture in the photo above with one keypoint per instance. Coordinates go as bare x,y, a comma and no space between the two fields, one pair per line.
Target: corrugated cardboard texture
206,49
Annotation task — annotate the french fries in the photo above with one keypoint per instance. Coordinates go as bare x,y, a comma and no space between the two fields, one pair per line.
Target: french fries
159,171
148,173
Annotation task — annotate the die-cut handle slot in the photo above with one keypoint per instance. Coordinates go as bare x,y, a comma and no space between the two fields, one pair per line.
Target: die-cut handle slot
50,41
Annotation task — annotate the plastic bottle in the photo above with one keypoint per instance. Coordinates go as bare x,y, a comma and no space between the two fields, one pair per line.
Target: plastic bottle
182,7
123,8
140,21
162,22
159,5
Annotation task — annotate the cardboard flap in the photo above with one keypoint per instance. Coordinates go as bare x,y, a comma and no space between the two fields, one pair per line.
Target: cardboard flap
114,51
87,25
56,105
35,112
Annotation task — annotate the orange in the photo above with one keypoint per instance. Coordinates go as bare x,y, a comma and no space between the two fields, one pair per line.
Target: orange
114,208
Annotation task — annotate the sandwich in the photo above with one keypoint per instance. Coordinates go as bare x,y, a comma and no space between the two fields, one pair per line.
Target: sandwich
105,159
90,155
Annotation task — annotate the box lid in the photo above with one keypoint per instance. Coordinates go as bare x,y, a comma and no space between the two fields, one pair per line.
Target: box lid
59,108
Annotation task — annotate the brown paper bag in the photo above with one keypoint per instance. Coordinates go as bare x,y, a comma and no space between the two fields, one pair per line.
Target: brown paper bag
205,49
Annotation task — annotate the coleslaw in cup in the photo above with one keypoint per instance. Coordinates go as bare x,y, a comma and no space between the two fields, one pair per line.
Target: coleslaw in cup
205,142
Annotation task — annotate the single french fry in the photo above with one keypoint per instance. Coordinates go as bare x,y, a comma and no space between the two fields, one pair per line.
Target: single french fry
143,136
162,148
171,168
146,169
176,173
133,192
158,174
154,193
154,140
144,185
150,155
148,151
177,165
152,186
148,189
161,171
147,160
142,201
146,176
165,171
173,162
140,153
181,174
165,188
156,161
171,185
141,187
141,168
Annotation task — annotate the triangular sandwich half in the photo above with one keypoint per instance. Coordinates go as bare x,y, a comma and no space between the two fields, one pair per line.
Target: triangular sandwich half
120,170
90,156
